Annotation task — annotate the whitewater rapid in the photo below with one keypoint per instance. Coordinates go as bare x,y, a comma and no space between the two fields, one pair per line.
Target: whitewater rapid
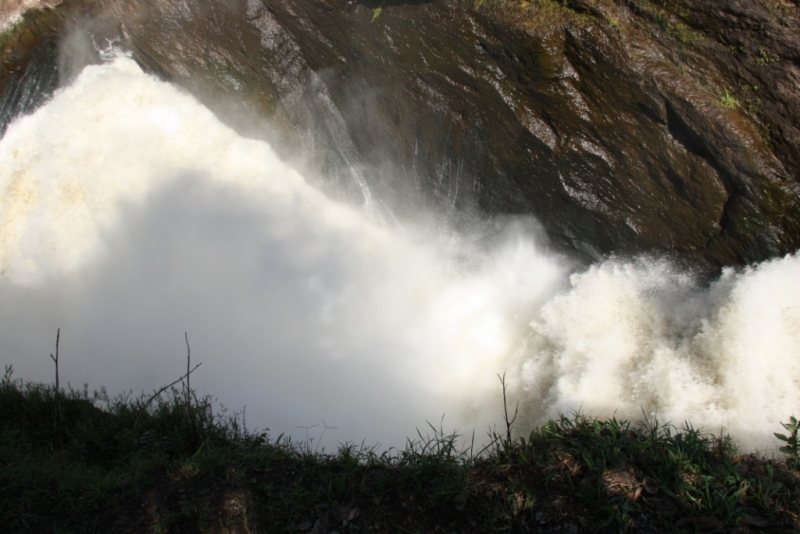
129,215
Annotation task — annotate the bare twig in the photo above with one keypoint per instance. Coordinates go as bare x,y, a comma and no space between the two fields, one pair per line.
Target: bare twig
188,383
55,359
510,422
163,389
188,366
57,413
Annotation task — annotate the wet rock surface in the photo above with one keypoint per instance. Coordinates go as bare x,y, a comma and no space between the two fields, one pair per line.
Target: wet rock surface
29,73
623,126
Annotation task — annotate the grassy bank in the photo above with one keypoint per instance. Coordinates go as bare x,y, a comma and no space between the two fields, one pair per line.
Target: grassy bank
76,461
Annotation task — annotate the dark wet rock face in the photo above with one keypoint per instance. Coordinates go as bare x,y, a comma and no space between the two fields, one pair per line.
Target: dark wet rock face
29,57
47,50
622,126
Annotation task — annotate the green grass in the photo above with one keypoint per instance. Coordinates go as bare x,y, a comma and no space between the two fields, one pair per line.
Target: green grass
727,100
675,27
764,58
792,447
76,461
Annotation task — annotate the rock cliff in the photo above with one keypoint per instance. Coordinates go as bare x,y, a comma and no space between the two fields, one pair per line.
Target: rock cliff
623,125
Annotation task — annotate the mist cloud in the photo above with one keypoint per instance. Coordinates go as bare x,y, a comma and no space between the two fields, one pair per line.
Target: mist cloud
131,215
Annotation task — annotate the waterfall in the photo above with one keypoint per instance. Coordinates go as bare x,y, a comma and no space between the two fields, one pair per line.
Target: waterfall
130,214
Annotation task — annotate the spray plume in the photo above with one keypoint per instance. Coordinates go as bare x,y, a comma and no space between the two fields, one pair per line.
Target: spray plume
130,215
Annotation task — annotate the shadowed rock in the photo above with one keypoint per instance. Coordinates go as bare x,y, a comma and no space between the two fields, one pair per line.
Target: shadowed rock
622,126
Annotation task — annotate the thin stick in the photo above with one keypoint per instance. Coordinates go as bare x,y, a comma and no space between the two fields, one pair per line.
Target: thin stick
55,359
505,409
188,365
188,383
163,389
57,413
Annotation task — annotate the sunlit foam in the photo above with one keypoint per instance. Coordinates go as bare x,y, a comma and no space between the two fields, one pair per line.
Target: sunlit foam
642,340
130,214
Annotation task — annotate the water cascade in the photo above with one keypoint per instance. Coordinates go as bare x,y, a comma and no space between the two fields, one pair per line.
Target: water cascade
130,214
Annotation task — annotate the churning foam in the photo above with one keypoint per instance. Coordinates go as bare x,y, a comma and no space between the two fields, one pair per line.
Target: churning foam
640,339
129,214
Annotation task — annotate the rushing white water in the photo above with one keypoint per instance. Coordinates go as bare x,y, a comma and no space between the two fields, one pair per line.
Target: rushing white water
129,215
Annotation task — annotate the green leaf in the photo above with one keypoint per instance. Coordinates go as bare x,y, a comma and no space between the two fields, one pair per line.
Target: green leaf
781,437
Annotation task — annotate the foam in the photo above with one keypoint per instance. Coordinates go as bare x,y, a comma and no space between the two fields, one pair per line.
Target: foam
130,214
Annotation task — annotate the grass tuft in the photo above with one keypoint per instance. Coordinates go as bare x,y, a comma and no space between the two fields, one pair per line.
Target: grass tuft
727,100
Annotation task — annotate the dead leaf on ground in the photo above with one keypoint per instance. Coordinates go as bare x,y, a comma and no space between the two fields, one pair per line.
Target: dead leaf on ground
622,482
620,477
